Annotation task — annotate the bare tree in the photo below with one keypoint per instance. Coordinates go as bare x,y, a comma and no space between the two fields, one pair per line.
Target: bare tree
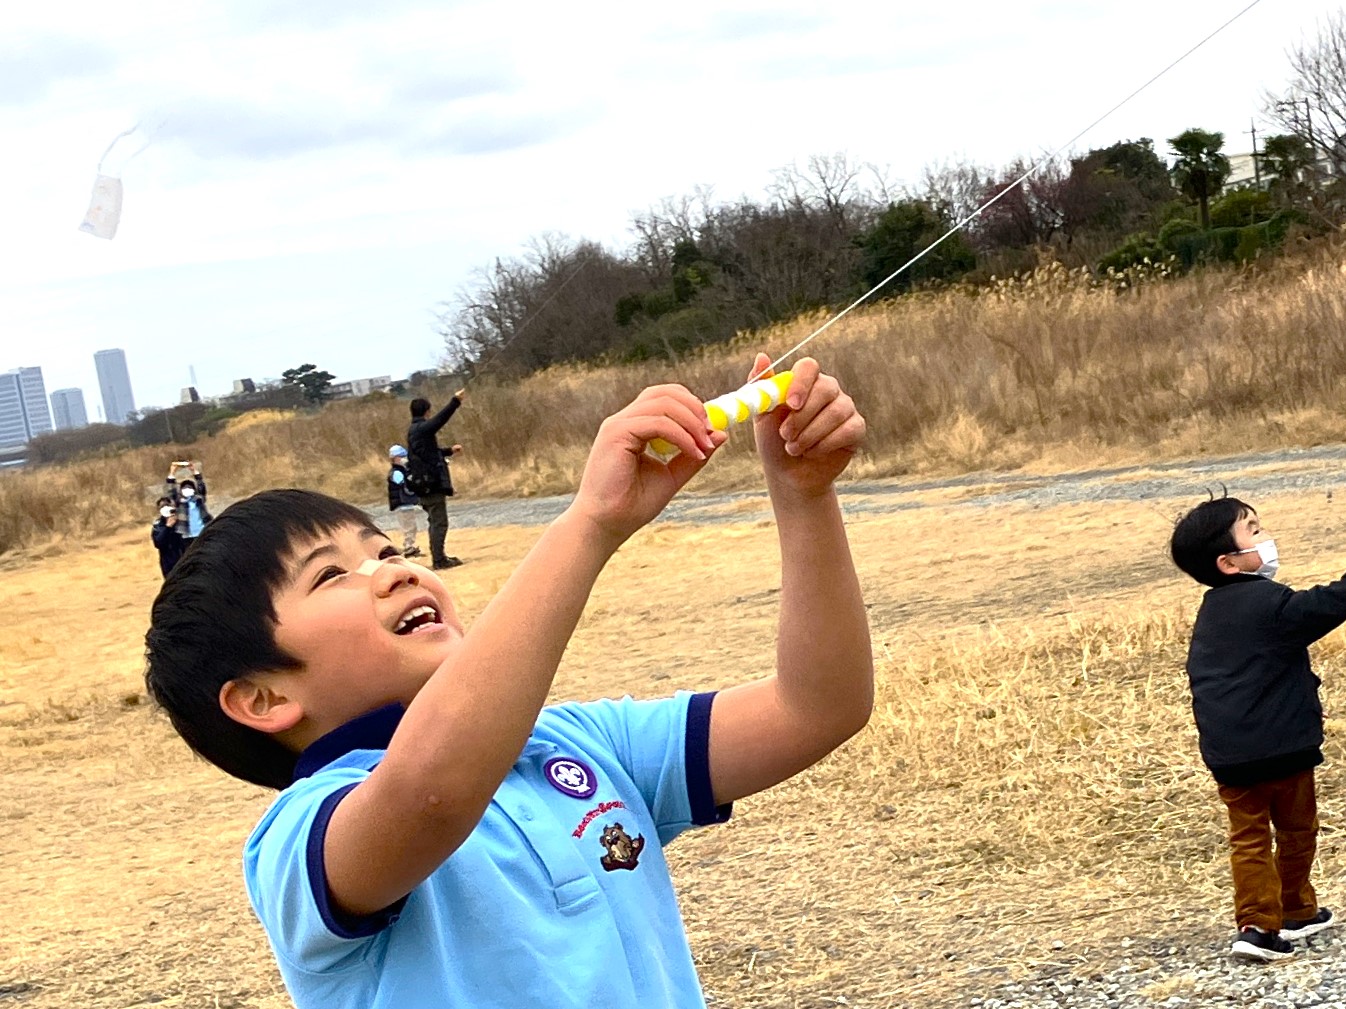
827,183
554,304
1314,107
954,189
1031,211
659,230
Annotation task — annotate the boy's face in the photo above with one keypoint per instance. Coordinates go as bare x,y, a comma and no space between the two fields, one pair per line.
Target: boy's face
368,626
1248,532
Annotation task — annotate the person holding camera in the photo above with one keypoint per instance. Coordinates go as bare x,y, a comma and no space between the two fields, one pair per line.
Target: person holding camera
164,535
189,499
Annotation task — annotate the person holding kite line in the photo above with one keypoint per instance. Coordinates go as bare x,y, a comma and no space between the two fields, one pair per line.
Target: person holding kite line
443,839
428,471
1258,716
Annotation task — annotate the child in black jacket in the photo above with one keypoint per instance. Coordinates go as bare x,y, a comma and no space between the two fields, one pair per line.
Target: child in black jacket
401,501
1258,716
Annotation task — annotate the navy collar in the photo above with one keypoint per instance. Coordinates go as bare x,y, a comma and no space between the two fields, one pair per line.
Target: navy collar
370,731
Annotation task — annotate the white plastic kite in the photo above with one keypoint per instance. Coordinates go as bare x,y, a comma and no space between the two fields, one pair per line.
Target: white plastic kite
105,205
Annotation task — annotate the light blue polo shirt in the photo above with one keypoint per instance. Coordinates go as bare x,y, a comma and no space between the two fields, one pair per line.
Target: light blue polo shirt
560,897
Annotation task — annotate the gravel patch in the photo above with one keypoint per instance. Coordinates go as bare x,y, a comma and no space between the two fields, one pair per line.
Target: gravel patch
1160,972
1294,470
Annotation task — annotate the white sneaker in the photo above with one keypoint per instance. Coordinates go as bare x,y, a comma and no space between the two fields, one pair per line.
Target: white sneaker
1294,929
1254,944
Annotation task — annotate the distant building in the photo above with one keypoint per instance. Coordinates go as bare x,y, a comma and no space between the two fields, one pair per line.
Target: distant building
67,409
1242,171
190,395
114,381
243,386
23,407
358,387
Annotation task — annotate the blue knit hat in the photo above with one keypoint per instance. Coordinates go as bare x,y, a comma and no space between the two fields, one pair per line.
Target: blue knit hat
397,452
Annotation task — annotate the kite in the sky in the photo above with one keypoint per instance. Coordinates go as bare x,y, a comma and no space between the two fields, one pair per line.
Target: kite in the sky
105,205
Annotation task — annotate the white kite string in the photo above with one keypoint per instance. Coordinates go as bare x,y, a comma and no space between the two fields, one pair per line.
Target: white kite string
115,141
993,200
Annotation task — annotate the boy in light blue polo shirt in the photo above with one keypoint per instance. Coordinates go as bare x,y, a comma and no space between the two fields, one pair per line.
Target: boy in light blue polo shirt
441,838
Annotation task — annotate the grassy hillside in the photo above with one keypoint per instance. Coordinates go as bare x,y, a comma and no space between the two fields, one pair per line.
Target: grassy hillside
1051,370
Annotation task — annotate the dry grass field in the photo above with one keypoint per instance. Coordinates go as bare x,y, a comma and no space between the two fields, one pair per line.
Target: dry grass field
1053,368
1028,791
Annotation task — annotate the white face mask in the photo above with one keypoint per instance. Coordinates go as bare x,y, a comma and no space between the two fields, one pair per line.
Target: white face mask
187,492
1271,558
166,511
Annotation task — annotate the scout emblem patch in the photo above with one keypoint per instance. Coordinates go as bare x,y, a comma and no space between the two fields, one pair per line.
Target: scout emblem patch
571,777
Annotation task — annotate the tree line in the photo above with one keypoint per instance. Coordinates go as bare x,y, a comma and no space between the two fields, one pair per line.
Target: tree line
701,270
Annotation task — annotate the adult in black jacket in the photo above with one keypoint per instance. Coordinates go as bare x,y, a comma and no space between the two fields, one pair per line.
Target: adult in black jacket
431,462
164,535
1258,716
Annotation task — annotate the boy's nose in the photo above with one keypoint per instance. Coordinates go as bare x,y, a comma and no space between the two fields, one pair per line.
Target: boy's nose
388,573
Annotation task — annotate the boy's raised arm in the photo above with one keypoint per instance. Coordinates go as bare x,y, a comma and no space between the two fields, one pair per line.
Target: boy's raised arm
467,725
1311,613
822,692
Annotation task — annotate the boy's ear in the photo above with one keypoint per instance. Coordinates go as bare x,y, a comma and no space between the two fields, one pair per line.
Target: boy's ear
1226,566
259,705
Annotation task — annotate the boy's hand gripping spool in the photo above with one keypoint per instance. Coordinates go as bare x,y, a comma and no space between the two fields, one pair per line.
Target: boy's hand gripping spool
733,408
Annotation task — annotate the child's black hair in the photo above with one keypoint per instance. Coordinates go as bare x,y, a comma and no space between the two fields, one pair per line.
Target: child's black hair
419,407
1206,533
214,621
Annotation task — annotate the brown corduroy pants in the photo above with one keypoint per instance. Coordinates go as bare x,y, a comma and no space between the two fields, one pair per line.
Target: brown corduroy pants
1269,888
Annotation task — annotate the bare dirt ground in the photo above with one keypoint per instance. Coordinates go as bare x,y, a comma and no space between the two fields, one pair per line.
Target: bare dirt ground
859,883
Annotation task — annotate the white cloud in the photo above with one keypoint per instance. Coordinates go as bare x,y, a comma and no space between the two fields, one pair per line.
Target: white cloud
324,173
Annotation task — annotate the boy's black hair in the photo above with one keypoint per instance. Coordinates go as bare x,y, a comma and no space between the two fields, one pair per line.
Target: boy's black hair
189,482
214,620
419,407
1204,534
163,501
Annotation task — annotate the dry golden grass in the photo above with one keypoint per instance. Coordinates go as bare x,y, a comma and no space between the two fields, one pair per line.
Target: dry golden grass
1046,372
1029,777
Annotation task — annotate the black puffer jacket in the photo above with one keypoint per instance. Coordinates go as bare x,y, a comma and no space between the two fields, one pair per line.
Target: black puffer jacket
399,494
1254,692
423,447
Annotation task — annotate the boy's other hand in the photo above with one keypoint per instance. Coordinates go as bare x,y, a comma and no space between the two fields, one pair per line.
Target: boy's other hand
806,444
623,487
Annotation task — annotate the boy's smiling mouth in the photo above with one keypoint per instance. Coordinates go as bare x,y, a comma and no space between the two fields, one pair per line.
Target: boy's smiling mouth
418,618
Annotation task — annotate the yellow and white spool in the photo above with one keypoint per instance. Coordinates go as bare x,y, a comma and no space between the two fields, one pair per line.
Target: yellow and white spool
733,408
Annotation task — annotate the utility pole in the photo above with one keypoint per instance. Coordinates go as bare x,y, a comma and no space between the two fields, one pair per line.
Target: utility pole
1307,127
1313,143
1257,171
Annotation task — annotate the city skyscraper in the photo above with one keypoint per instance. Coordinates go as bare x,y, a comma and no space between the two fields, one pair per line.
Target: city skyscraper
114,382
67,409
23,407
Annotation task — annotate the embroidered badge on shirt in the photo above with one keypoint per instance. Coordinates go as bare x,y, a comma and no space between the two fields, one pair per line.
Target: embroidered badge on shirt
571,777
623,849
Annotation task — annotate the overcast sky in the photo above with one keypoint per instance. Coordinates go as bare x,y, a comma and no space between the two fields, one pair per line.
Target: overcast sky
324,173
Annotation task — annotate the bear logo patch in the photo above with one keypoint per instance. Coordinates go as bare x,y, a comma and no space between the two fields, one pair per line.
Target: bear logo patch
623,851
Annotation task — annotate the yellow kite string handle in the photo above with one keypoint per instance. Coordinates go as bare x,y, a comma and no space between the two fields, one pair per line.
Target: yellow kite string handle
723,412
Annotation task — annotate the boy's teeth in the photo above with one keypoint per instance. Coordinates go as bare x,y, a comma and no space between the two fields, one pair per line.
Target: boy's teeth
419,611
